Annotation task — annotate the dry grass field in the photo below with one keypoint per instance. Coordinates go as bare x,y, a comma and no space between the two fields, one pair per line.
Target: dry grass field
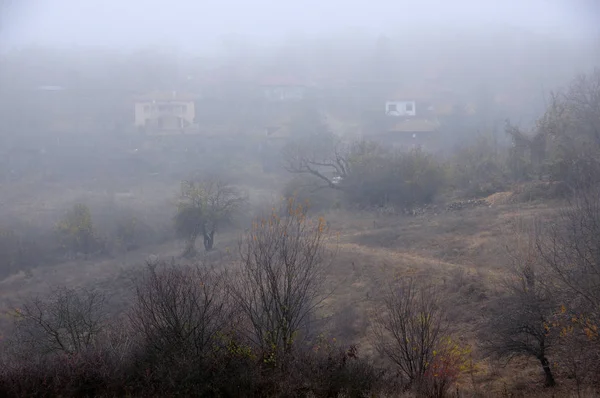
463,251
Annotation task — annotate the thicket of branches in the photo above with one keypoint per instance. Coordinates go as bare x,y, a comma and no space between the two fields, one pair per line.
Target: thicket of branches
570,249
410,328
517,322
550,307
197,330
283,258
369,175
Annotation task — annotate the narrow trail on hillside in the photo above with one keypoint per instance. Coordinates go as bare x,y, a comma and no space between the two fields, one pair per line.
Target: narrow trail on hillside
402,259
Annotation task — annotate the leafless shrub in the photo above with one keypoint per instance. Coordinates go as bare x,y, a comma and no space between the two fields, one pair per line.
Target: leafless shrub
179,311
316,151
571,248
410,328
571,253
332,370
67,321
280,277
306,189
325,163
518,322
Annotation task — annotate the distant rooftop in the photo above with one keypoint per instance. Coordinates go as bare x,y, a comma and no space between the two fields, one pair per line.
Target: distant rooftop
166,96
414,126
282,81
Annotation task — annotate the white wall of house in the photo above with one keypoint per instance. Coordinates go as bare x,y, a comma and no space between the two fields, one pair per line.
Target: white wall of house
400,108
284,93
149,110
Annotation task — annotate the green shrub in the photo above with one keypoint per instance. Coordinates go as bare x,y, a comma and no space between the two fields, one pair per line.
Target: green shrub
478,169
76,230
399,179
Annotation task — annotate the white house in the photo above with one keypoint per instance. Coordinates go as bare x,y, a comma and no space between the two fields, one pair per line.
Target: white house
165,112
400,108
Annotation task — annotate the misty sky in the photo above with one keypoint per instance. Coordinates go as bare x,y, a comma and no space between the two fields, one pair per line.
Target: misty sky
202,24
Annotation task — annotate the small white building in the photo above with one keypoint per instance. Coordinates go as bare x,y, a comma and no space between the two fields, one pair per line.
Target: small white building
165,112
400,108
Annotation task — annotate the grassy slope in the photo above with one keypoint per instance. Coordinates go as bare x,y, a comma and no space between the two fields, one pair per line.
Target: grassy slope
462,251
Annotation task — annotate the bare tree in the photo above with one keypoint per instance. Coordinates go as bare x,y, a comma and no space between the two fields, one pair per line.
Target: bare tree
329,162
571,248
281,275
583,96
571,253
68,321
571,125
528,152
410,327
518,322
203,207
180,310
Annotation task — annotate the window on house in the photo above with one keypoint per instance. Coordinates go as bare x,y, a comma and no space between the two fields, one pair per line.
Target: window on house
392,108
409,107
183,108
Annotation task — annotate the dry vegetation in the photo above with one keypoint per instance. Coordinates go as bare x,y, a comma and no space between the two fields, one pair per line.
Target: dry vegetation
409,275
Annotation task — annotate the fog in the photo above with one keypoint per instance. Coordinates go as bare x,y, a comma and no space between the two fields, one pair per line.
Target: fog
202,27
262,198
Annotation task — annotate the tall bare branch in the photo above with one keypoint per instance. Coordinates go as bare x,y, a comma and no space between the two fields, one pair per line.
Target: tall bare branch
410,327
68,321
280,278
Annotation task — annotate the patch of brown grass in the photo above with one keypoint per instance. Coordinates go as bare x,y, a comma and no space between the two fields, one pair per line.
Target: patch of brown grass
461,251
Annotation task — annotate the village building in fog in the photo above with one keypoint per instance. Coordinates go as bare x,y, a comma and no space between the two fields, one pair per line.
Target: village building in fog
165,113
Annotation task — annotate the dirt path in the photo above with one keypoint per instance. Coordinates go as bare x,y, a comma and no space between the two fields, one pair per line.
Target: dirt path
402,260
